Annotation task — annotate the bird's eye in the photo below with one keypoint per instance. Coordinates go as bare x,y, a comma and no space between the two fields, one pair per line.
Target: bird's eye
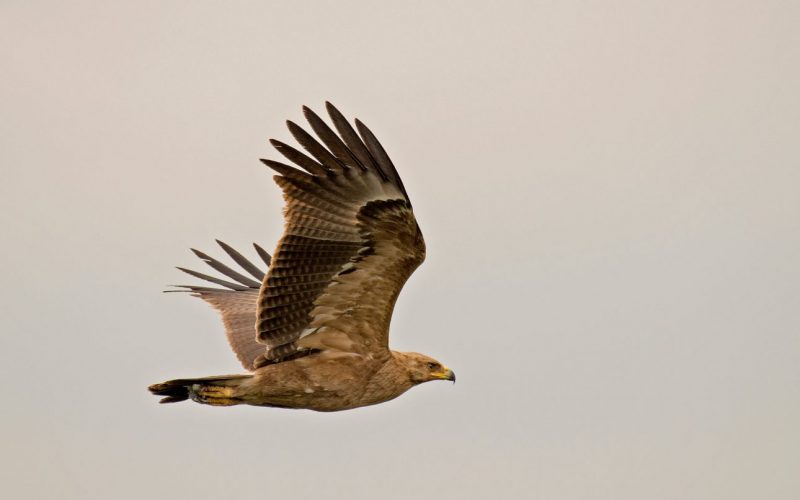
433,366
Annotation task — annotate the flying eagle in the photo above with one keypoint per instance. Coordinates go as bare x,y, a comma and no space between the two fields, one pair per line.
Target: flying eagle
313,332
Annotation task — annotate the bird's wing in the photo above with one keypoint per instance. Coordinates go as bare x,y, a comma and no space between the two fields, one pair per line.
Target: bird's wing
350,243
236,301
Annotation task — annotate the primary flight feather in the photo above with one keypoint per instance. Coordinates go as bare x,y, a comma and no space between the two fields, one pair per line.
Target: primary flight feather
314,329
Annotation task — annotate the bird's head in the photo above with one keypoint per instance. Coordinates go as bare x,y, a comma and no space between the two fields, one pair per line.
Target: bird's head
423,368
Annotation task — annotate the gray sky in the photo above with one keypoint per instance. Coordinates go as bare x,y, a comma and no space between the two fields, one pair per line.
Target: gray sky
610,195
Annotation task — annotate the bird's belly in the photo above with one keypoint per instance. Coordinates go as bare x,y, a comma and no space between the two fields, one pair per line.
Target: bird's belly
319,387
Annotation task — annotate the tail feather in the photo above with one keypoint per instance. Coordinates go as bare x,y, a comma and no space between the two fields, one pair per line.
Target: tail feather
174,390
217,391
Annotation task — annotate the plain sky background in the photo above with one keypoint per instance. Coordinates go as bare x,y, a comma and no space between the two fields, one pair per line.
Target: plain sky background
610,195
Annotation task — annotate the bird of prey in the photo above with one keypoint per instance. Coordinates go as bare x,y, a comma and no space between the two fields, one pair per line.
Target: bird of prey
313,332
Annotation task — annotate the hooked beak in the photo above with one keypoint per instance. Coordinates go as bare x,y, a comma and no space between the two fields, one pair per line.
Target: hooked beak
446,374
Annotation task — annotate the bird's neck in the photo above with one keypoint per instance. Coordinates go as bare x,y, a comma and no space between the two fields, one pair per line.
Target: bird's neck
390,381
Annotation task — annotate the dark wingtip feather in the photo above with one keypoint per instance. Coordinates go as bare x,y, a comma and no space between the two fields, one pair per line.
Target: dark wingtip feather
381,157
370,141
330,108
351,138
227,271
226,284
298,158
263,254
242,261
317,150
281,168
342,154
199,254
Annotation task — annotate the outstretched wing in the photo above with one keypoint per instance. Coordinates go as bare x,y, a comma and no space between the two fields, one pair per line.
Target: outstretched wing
236,301
350,243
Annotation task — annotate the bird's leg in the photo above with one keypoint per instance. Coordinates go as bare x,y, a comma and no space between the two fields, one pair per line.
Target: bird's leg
214,395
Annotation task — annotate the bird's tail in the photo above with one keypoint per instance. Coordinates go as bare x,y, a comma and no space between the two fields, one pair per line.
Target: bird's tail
216,391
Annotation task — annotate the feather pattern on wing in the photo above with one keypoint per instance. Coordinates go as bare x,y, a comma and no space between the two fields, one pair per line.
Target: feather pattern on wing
236,303
349,244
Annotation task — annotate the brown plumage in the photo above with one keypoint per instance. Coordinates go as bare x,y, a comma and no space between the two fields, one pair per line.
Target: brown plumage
314,330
